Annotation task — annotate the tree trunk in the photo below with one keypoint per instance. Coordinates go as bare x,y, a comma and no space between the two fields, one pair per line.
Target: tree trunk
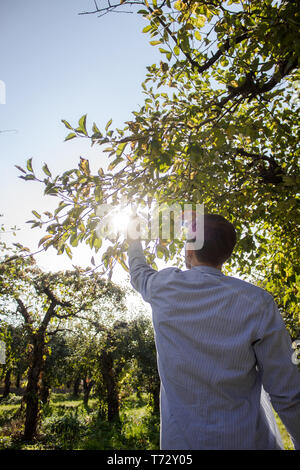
45,388
110,379
18,380
7,383
156,398
112,400
76,387
31,397
87,387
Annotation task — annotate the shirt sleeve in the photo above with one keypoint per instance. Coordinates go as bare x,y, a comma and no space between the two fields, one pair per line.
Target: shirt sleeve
280,376
141,274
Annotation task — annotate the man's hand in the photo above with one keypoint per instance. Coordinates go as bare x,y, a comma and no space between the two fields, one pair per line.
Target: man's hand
133,229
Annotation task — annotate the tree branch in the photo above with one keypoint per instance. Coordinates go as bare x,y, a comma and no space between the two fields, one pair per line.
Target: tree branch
250,88
255,157
54,300
110,8
24,312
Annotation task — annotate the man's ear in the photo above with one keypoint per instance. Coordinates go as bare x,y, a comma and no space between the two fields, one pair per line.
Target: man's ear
188,258
189,253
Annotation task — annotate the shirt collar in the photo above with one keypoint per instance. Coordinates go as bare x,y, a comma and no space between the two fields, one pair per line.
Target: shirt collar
208,269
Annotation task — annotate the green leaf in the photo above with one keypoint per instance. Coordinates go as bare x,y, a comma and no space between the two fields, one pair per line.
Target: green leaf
61,206
201,20
74,240
29,165
28,177
82,124
176,50
114,163
50,189
154,43
97,243
70,136
42,240
267,66
120,149
95,129
68,251
147,28
66,124
36,214
123,264
46,170
108,124
20,169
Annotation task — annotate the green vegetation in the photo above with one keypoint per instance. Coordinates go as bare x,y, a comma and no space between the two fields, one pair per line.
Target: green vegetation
67,424
68,331
284,435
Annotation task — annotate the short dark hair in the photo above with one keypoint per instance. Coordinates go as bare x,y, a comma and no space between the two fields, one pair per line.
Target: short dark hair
219,240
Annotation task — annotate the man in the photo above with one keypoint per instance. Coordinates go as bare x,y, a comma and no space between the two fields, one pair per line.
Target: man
221,345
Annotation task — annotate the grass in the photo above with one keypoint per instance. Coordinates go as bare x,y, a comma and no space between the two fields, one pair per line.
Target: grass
286,440
67,424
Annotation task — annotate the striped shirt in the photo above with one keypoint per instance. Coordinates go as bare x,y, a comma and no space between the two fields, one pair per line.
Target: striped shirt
223,355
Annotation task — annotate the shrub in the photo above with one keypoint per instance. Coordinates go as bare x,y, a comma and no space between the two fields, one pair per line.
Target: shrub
64,431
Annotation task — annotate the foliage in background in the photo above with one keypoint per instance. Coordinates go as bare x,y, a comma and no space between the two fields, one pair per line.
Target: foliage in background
68,330
44,303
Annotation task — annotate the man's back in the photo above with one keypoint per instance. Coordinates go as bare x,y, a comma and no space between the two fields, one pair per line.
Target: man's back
206,324
218,340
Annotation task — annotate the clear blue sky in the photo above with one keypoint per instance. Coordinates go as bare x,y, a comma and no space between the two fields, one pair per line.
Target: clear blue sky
58,65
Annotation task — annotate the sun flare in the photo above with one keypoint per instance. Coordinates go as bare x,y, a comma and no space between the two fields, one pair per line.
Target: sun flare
120,219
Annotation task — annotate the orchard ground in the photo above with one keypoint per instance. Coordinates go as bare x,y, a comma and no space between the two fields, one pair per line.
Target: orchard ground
68,425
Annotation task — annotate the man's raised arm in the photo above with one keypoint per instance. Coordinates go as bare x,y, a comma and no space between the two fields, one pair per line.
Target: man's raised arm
141,274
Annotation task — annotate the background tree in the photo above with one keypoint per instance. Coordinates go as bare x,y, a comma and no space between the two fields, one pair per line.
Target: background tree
219,126
142,349
55,369
6,368
16,361
82,361
112,359
44,302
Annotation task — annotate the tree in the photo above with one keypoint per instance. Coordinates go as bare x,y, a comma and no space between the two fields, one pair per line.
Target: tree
14,337
55,367
142,349
45,302
219,126
112,359
83,344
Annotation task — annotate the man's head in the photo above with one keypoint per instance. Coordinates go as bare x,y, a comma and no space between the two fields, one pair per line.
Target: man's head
219,242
